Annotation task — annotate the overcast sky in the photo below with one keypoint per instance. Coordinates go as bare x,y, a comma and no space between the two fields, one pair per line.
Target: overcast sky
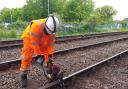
120,5
11,3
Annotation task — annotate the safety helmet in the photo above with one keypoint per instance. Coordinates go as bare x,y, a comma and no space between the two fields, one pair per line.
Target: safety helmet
51,24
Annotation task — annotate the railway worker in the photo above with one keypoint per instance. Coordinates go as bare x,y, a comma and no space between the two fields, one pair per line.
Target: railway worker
39,39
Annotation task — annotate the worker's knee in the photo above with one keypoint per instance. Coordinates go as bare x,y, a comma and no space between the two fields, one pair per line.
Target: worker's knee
26,63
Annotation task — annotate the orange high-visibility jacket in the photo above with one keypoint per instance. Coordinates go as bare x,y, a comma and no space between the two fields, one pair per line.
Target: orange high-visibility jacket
41,43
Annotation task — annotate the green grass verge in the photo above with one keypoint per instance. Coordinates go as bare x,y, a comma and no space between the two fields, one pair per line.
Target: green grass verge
8,34
15,34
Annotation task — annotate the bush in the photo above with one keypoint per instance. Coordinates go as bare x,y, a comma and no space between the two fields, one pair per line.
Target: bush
12,34
5,34
2,26
2,34
17,25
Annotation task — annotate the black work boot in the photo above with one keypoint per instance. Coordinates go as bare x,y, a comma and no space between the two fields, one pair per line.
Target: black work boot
24,80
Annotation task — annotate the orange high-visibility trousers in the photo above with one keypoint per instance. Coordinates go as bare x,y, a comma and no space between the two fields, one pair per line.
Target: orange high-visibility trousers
26,56
27,53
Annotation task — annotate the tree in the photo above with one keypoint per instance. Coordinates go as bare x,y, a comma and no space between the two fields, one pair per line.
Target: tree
78,10
11,15
36,9
17,14
6,15
104,14
32,10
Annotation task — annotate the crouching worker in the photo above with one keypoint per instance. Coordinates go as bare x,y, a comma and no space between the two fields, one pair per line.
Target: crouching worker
39,39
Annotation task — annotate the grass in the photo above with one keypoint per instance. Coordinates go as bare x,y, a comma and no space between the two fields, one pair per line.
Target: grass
8,34
60,34
15,34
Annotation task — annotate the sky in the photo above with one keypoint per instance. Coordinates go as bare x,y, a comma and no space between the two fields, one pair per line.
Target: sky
11,3
120,5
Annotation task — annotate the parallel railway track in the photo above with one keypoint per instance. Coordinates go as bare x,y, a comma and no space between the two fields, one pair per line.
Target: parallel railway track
66,58
19,43
11,53
13,62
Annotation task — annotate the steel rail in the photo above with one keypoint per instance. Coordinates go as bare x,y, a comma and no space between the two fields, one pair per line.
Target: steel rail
91,67
18,43
7,64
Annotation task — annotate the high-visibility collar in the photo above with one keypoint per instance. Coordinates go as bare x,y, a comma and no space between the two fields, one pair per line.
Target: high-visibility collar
41,22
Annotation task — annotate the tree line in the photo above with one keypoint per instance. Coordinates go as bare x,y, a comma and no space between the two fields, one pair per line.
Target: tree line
70,11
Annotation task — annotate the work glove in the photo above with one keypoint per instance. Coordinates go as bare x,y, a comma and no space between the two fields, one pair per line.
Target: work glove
40,59
51,61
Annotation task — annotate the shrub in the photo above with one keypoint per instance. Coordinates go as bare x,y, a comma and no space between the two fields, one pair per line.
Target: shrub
5,34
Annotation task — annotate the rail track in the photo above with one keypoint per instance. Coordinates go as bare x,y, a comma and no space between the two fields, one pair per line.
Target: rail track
11,53
70,60
78,80
19,43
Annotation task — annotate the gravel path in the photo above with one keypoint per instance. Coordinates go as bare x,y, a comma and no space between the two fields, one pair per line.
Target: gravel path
14,53
69,63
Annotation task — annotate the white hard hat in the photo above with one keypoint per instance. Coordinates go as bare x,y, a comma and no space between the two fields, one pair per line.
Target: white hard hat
51,24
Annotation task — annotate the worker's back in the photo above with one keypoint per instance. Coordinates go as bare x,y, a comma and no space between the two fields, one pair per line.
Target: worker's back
35,32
